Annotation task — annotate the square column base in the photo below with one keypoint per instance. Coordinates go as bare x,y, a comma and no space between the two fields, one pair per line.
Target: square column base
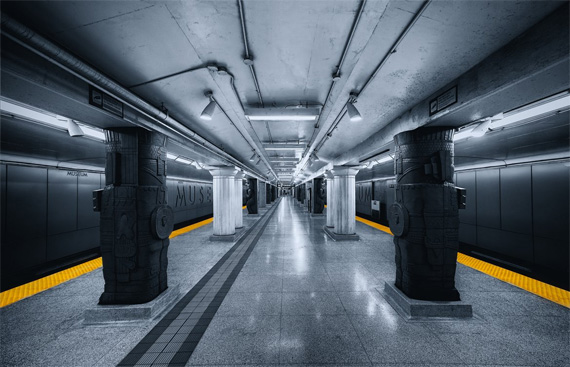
229,237
417,309
340,237
112,314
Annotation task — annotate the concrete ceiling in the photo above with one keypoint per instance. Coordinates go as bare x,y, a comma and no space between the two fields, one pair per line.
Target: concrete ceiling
296,47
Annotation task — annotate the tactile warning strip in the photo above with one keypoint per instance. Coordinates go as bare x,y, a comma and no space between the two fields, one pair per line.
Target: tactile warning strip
541,289
29,289
544,290
173,340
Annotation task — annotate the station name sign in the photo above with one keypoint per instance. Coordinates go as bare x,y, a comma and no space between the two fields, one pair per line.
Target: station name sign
100,99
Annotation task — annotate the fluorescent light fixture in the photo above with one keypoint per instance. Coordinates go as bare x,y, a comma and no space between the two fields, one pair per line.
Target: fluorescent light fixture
481,129
258,160
93,132
385,159
560,102
353,113
281,114
197,165
183,160
171,156
208,111
533,111
73,129
52,120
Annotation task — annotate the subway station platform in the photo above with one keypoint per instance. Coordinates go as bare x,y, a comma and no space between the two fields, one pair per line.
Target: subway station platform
286,294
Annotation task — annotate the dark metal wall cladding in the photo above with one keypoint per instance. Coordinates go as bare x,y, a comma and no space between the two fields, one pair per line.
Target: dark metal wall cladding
488,198
551,197
189,200
62,202
520,211
516,208
26,226
364,197
550,183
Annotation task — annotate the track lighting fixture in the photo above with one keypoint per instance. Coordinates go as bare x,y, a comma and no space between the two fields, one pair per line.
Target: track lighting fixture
252,158
258,160
353,113
210,108
73,129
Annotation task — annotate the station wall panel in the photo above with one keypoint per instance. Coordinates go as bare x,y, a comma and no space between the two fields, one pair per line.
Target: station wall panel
550,201
26,224
516,206
61,201
488,198
364,198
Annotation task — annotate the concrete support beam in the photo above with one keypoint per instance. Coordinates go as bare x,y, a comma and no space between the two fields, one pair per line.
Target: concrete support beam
238,190
344,204
330,199
224,212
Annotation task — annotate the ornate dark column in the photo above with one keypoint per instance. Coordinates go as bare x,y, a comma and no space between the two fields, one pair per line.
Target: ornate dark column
261,196
424,218
135,218
319,192
267,193
251,201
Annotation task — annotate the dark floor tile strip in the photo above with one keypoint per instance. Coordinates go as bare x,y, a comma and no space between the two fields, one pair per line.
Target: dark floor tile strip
135,355
183,356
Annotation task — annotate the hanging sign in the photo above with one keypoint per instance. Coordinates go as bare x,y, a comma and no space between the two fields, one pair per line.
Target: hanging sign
105,102
442,101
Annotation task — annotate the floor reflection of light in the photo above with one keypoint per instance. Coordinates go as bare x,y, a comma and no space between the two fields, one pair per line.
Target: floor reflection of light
360,282
371,309
388,315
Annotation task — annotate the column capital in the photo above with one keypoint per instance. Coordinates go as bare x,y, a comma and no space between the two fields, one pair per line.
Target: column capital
328,175
239,175
345,170
223,171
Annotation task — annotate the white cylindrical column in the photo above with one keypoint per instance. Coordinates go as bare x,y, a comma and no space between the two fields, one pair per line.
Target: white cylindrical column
344,203
330,197
224,199
238,196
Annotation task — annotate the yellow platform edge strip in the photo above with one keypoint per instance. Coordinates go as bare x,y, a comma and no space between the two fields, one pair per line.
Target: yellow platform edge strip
541,289
29,289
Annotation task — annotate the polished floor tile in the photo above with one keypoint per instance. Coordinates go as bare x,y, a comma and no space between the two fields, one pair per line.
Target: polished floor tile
300,299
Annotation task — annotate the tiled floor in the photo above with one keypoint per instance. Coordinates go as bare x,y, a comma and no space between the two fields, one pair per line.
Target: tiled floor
300,299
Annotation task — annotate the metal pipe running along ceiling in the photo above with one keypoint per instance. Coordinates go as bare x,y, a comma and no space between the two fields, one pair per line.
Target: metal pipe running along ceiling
34,42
